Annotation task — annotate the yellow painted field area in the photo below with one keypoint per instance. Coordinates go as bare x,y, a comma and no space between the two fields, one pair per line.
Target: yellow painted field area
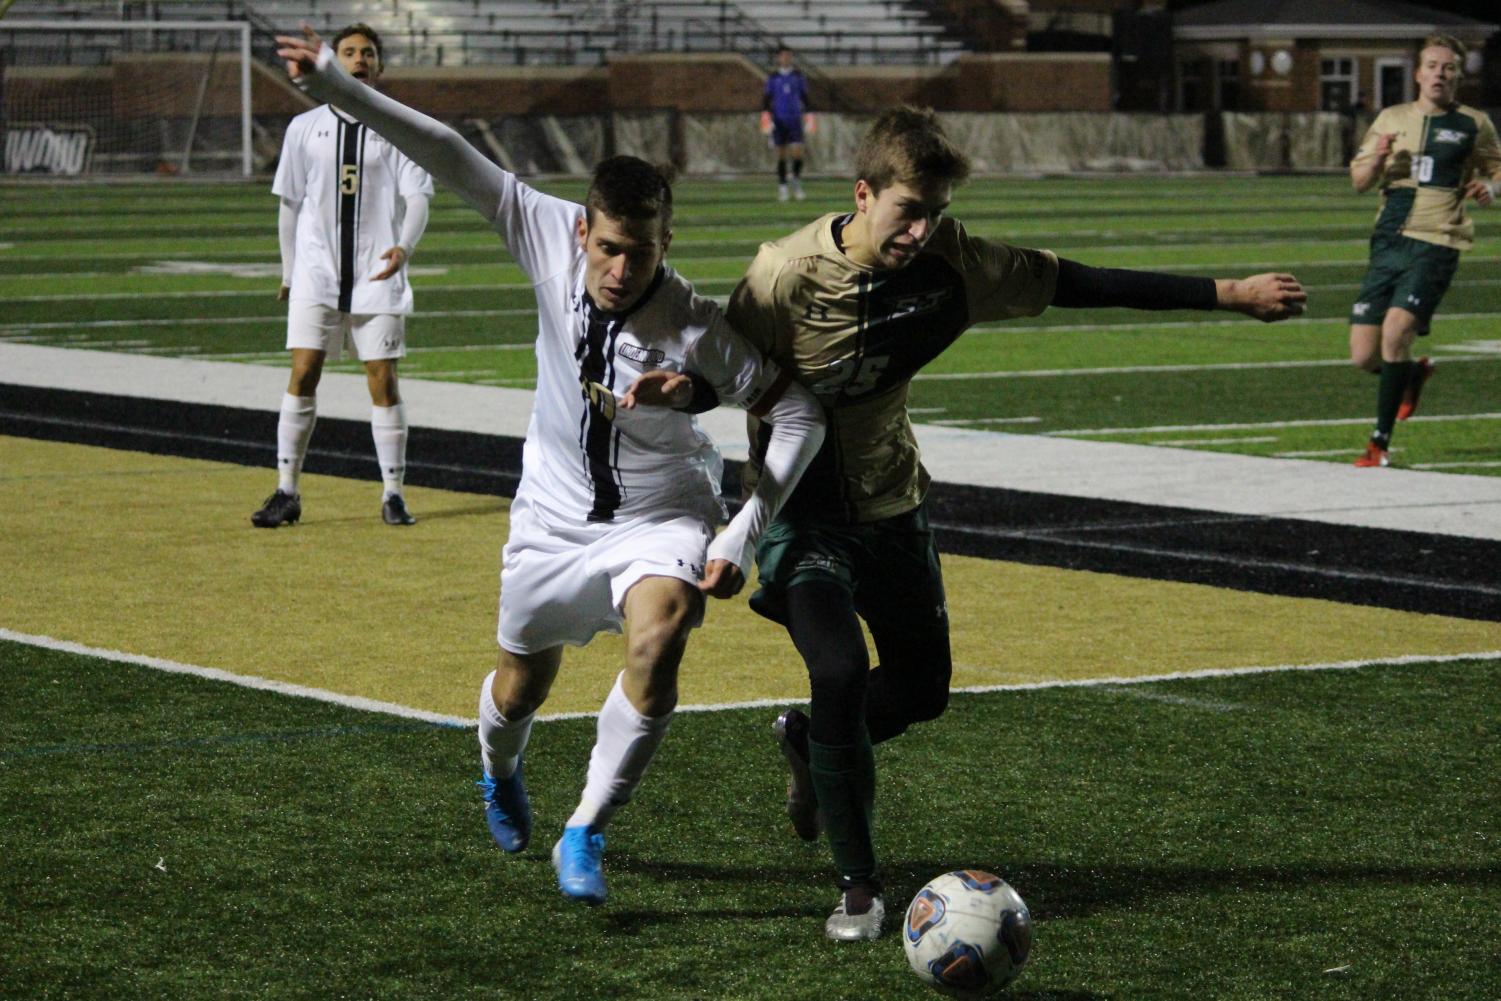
155,555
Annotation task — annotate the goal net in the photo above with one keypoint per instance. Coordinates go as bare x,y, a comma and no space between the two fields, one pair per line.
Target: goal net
125,97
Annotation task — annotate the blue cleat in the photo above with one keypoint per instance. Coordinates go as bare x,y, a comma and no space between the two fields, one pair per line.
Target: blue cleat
507,810
578,857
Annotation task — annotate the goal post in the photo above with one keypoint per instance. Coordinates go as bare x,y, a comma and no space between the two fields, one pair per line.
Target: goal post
125,97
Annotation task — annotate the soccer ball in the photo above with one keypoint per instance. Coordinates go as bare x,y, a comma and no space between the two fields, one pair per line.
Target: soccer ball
967,933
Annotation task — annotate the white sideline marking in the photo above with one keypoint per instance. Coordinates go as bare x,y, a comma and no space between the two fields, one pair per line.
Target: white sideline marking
963,421
243,680
407,712
1183,442
200,321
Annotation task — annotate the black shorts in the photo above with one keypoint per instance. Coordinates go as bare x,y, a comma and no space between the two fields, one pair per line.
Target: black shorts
890,568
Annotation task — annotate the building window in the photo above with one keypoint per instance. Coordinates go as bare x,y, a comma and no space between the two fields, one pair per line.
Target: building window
1336,83
1227,81
1194,84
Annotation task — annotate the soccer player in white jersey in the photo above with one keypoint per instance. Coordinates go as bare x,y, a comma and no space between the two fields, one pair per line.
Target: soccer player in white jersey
352,210
612,521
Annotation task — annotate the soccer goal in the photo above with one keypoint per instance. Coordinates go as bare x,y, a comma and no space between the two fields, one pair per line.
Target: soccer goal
87,98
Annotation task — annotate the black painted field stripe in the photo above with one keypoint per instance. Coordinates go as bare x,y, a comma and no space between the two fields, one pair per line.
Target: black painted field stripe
1406,570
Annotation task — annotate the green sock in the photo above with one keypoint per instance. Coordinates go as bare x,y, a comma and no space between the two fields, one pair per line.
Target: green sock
844,776
1394,376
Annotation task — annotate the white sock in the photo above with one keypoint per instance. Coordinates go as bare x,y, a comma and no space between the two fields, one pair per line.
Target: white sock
624,745
388,426
294,430
501,740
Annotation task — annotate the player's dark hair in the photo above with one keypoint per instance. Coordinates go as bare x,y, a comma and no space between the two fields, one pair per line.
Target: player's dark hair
629,188
361,28
907,145
1449,42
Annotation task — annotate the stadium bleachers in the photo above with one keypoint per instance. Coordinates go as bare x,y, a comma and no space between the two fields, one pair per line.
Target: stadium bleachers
562,32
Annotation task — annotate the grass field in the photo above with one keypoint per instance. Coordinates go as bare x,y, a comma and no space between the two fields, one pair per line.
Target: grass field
1331,834
191,270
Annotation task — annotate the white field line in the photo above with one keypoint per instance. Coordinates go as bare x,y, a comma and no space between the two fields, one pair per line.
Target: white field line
282,354
1320,452
1246,321
1455,465
201,321
258,293
1021,239
1232,267
1228,366
408,712
961,421
1332,422
261,293
1183,442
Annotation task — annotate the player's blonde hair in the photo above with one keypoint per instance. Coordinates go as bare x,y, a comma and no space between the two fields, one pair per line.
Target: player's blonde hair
1449,42
907,145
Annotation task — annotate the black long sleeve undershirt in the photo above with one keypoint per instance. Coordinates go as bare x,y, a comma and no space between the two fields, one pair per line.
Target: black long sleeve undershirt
1081,286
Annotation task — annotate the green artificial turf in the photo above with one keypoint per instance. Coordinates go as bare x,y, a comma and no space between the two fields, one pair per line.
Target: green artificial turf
192,271
1329,834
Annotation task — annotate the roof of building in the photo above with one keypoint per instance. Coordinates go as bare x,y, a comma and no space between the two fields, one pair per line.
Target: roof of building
1322,18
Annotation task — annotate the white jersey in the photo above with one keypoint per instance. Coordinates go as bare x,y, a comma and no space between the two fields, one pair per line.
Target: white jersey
585,458
351,186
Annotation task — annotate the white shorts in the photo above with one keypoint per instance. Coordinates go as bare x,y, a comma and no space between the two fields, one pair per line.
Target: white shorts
373,336
561,585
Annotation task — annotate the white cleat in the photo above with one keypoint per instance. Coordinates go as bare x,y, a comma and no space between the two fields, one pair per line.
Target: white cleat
781,192
858,918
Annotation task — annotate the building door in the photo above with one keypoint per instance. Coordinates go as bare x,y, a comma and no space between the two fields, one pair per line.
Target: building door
1393,82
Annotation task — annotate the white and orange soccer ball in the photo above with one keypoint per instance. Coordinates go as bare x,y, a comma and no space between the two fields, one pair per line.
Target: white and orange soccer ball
967,933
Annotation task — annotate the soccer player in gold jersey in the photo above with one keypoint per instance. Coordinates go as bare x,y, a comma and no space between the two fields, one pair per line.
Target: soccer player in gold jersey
1427,157
856,303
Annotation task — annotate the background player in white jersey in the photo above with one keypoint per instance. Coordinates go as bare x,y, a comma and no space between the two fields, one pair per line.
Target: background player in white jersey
619,490
352,210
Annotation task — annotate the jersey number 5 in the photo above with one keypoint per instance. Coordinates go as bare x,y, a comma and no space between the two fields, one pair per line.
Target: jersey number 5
349,179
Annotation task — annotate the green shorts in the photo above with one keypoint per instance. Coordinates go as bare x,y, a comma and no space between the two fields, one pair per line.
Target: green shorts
1411,274
890,567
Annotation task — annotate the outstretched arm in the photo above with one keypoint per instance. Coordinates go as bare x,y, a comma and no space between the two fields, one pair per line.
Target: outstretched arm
1268,297
430,144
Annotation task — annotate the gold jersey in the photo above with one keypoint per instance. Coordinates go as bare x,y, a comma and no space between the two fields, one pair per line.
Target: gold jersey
855,336
1431,161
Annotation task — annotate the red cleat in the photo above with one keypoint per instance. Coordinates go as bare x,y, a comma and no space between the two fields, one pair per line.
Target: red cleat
1414,389
1374,455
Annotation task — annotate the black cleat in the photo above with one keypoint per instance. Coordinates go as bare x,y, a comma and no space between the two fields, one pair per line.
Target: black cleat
393,511
279,509
791,729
